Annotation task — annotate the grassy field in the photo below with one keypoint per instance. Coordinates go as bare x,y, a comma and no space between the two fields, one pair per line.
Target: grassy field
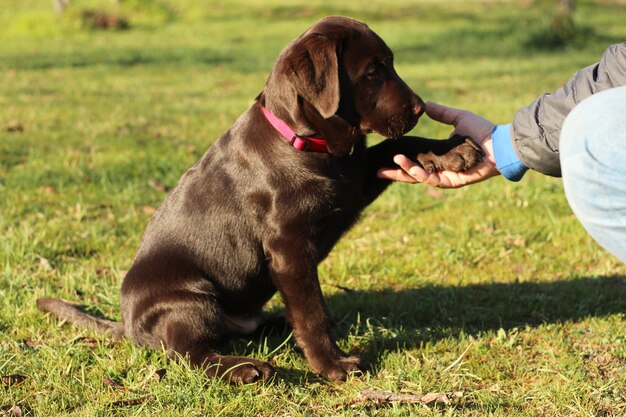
494,290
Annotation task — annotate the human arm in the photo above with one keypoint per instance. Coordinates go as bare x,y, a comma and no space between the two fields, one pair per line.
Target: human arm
536,128
533,138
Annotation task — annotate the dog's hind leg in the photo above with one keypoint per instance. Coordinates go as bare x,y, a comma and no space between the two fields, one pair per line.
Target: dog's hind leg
197,340
167,302
190,324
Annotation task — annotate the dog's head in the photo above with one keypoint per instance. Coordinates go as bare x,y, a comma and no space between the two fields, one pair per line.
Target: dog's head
338,79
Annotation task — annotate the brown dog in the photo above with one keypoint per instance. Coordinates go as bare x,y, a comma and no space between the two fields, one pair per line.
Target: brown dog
264,206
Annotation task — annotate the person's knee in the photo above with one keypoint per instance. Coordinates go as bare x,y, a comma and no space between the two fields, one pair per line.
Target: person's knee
592,151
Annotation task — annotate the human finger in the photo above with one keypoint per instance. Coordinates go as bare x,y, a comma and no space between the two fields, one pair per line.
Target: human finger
444,114
395,174
418,173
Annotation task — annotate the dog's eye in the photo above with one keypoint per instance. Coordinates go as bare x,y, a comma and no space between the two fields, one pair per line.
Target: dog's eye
373,72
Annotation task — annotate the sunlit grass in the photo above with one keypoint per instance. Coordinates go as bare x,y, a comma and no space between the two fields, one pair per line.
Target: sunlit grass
90,120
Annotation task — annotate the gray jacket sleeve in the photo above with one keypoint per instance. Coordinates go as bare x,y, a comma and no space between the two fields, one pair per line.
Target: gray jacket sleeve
536,128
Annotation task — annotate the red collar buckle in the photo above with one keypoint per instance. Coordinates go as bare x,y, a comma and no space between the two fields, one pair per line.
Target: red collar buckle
301,143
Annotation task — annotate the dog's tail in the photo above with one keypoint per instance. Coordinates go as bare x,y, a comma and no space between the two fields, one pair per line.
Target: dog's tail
70,313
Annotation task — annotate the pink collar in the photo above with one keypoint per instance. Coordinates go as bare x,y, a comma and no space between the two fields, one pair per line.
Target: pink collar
301,143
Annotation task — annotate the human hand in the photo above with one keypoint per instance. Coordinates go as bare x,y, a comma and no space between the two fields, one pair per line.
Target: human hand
465,123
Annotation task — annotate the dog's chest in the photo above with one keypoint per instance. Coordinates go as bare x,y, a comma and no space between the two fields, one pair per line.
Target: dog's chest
331,204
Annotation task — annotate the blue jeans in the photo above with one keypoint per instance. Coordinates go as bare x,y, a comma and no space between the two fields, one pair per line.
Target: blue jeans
593,163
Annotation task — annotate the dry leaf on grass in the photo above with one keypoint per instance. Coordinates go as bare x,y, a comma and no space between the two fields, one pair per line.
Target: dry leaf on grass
11,410
14,126
92,342
30,343
45,264
12,380
113,384
87,341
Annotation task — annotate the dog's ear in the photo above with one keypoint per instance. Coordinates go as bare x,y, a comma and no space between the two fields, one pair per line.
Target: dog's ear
311,66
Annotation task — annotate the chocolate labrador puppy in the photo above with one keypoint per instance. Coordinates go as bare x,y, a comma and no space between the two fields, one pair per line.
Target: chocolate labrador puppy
268,201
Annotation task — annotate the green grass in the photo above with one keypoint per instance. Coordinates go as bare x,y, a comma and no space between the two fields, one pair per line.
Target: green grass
500,271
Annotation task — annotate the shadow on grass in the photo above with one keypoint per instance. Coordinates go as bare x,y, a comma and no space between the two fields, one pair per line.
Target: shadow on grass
405,319
397,320
120,57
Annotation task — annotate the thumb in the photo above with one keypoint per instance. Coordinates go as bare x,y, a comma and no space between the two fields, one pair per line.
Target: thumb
444,114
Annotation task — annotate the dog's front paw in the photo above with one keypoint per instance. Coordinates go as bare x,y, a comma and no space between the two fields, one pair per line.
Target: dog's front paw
339,369
461,157
464,156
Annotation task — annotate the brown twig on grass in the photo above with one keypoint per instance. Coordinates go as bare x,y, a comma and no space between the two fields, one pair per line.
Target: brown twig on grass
133,401
382,397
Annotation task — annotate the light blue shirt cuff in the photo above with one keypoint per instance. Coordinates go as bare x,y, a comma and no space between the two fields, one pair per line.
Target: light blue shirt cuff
507,160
